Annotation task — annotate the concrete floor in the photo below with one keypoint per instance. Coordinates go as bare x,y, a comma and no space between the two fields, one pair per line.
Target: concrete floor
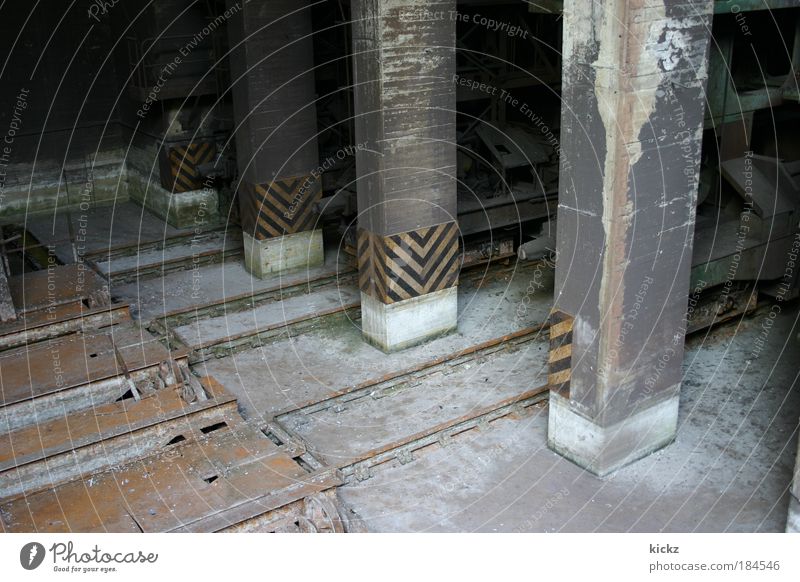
104,227
728,470
296,370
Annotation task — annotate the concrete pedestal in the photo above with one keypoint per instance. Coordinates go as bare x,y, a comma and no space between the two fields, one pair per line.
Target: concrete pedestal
793,520
192,209
283,253
399,325
602,450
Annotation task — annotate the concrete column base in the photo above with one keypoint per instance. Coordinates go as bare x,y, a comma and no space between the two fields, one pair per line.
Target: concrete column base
192,209
406,323
793,519
283,253
603,450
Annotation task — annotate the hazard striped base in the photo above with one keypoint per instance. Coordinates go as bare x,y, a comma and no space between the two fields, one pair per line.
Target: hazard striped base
183,166
559,361
285,206
410,264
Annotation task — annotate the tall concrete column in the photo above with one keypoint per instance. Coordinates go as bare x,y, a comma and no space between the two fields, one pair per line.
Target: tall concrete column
793,520
276,145
405,102
633,84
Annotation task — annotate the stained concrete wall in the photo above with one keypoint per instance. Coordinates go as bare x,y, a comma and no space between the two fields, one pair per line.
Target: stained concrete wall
633,101
58,93
70,127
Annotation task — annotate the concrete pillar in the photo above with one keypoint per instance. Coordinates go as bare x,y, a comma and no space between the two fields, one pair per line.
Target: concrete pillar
405,101
633,84
793,520
276,145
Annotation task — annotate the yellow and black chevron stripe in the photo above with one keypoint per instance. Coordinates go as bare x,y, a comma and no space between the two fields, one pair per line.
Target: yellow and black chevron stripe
410,264
183,163
559,362
371,264
285,206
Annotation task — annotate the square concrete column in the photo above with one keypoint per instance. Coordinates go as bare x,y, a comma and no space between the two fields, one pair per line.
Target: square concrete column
634,76
274,97
405,102
793,519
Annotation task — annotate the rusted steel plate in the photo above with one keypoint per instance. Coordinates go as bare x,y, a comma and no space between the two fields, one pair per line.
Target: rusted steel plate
59,364
41,316
205,485
42,456
255,508
49,287
53,378
60,320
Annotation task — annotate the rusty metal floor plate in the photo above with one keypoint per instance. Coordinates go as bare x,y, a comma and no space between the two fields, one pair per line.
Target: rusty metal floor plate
59,320
210,485
50,287
51,378
40,369
43,455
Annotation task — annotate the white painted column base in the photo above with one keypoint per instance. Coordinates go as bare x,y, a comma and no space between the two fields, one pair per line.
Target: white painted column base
603,450
410,322
793,520
283,253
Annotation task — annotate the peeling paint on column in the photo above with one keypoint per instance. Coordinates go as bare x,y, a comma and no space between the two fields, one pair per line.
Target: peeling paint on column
624,108
628,198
